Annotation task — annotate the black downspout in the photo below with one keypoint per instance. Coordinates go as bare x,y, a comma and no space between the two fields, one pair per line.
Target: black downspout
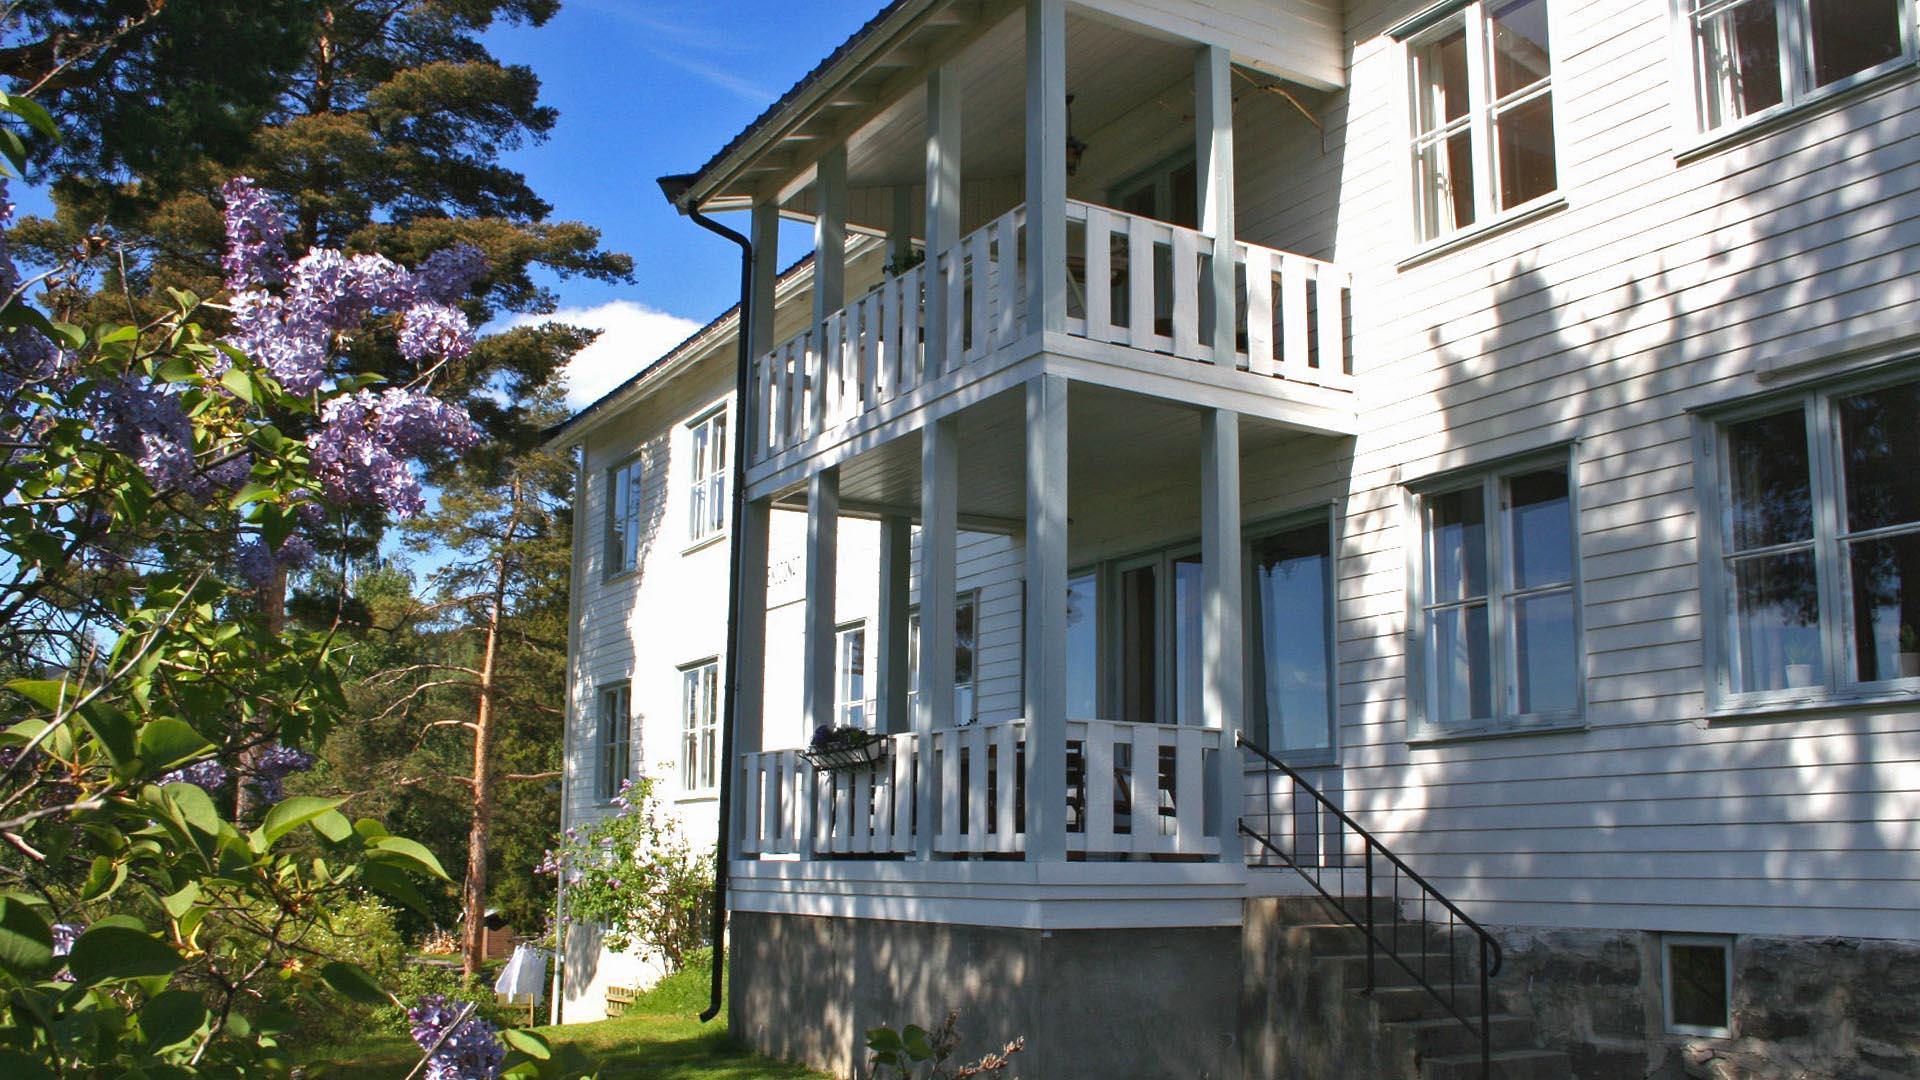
736,570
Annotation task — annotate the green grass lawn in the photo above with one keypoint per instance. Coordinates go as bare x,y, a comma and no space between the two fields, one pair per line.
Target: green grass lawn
660,1036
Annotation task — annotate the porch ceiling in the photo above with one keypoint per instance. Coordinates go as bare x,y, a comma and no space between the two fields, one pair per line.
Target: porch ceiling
1121,446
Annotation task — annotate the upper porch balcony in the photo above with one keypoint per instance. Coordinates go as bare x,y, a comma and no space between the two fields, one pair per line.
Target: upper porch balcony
1140,297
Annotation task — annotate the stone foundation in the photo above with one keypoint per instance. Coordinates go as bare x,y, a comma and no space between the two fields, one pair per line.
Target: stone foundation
1803,1008
1091,1003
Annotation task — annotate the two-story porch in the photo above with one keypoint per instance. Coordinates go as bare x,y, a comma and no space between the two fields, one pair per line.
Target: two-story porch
1048,341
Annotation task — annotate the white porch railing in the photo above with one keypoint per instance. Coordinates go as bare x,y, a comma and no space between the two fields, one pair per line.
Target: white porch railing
1132,789
1291,324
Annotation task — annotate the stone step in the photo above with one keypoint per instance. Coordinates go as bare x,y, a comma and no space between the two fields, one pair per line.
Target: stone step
1394,1003
1388,972
1304,910
1447,1036
1507,1065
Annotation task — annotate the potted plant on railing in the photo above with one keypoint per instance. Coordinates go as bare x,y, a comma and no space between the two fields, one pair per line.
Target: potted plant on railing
1909,655
845,748
1801,659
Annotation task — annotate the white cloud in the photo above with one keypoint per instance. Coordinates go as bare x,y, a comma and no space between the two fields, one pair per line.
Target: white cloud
632,335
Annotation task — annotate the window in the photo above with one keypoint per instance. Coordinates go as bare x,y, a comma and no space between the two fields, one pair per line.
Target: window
1083,646
699,726
1697,972
613,741
852,706
1818,544
1752,56
707,492
623,517
1483,142
965,607
1498,619
1292,623
1158,670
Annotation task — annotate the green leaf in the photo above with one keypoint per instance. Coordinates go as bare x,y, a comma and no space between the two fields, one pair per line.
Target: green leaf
527,1043
119,334
29,110
104,878
252,493
112,728
918,1048
18,1066
394,884
354,982
178,903
239,384
884,1039
49,694
118,947
26,941
333,825
172,1017
292,813
167,742
411,851
195,806
176,369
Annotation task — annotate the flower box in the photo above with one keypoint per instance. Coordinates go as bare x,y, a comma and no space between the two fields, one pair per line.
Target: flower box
846,748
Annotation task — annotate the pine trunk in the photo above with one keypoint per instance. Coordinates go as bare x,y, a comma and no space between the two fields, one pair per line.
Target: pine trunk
474,893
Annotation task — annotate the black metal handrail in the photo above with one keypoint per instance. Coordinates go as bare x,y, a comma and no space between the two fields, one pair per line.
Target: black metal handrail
1332,856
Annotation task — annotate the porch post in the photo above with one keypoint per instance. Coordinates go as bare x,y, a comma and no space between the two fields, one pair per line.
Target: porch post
939,540
766,271
943,205
749,660
1213,150
829,283
1046,165
1222,681
1046,638
896,553
900,230
816,681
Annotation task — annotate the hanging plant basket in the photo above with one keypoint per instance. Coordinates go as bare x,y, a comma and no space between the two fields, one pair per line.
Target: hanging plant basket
846,748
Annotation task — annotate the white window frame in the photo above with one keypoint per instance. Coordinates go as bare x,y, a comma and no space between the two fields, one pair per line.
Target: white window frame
1506,719
844,704
1797,90
612,739
700,731
1831,568
1725,945
622,532
967,692
707,492
1482,110
1329,518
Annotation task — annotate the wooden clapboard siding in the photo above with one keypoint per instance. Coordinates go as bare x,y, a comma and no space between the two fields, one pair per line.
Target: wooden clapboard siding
1660,287
1296,38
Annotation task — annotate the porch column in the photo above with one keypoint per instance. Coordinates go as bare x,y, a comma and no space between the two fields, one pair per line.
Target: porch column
900,230
766,271
896,553
943,205
1222,680
1046,637
816,680
1046,165
747,666
939,543
829,281
1213,151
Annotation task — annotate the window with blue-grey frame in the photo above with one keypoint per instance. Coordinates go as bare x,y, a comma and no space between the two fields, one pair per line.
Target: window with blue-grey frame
624,496
613,740
1495,628
1291,624
1753,59
1811,536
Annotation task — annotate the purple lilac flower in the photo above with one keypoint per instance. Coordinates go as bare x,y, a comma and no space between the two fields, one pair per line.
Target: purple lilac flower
274,765
412,423
64,936
432,330
360,451
149,424
447,274
549,863
256,236
471,1051
257,565
231,473
208,774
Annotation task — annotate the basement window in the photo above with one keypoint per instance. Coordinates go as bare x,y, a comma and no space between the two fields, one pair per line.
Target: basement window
1697,976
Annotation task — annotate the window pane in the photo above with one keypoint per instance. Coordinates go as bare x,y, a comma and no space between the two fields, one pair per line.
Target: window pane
1520,56
1083,647
963,641
1739,55
1776,613
1462,662
1768,468
1886,607
1850,36
1697,985
1545,662
718,453
1540,529
1188,707
1446,185
1441,74
1457,543
1139,647
1523,137
1291,588
1879,448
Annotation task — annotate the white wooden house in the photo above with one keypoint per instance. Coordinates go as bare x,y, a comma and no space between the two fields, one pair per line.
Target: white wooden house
1501,414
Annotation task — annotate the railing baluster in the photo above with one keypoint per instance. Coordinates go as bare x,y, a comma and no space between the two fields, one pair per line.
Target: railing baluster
911,311
955,273
1140,270
1006,279
1293,317
1186,294
1259,311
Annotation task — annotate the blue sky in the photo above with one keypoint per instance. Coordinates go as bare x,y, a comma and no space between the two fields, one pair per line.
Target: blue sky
644,89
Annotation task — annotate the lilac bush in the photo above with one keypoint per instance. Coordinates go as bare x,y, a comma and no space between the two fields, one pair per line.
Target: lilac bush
471,1049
